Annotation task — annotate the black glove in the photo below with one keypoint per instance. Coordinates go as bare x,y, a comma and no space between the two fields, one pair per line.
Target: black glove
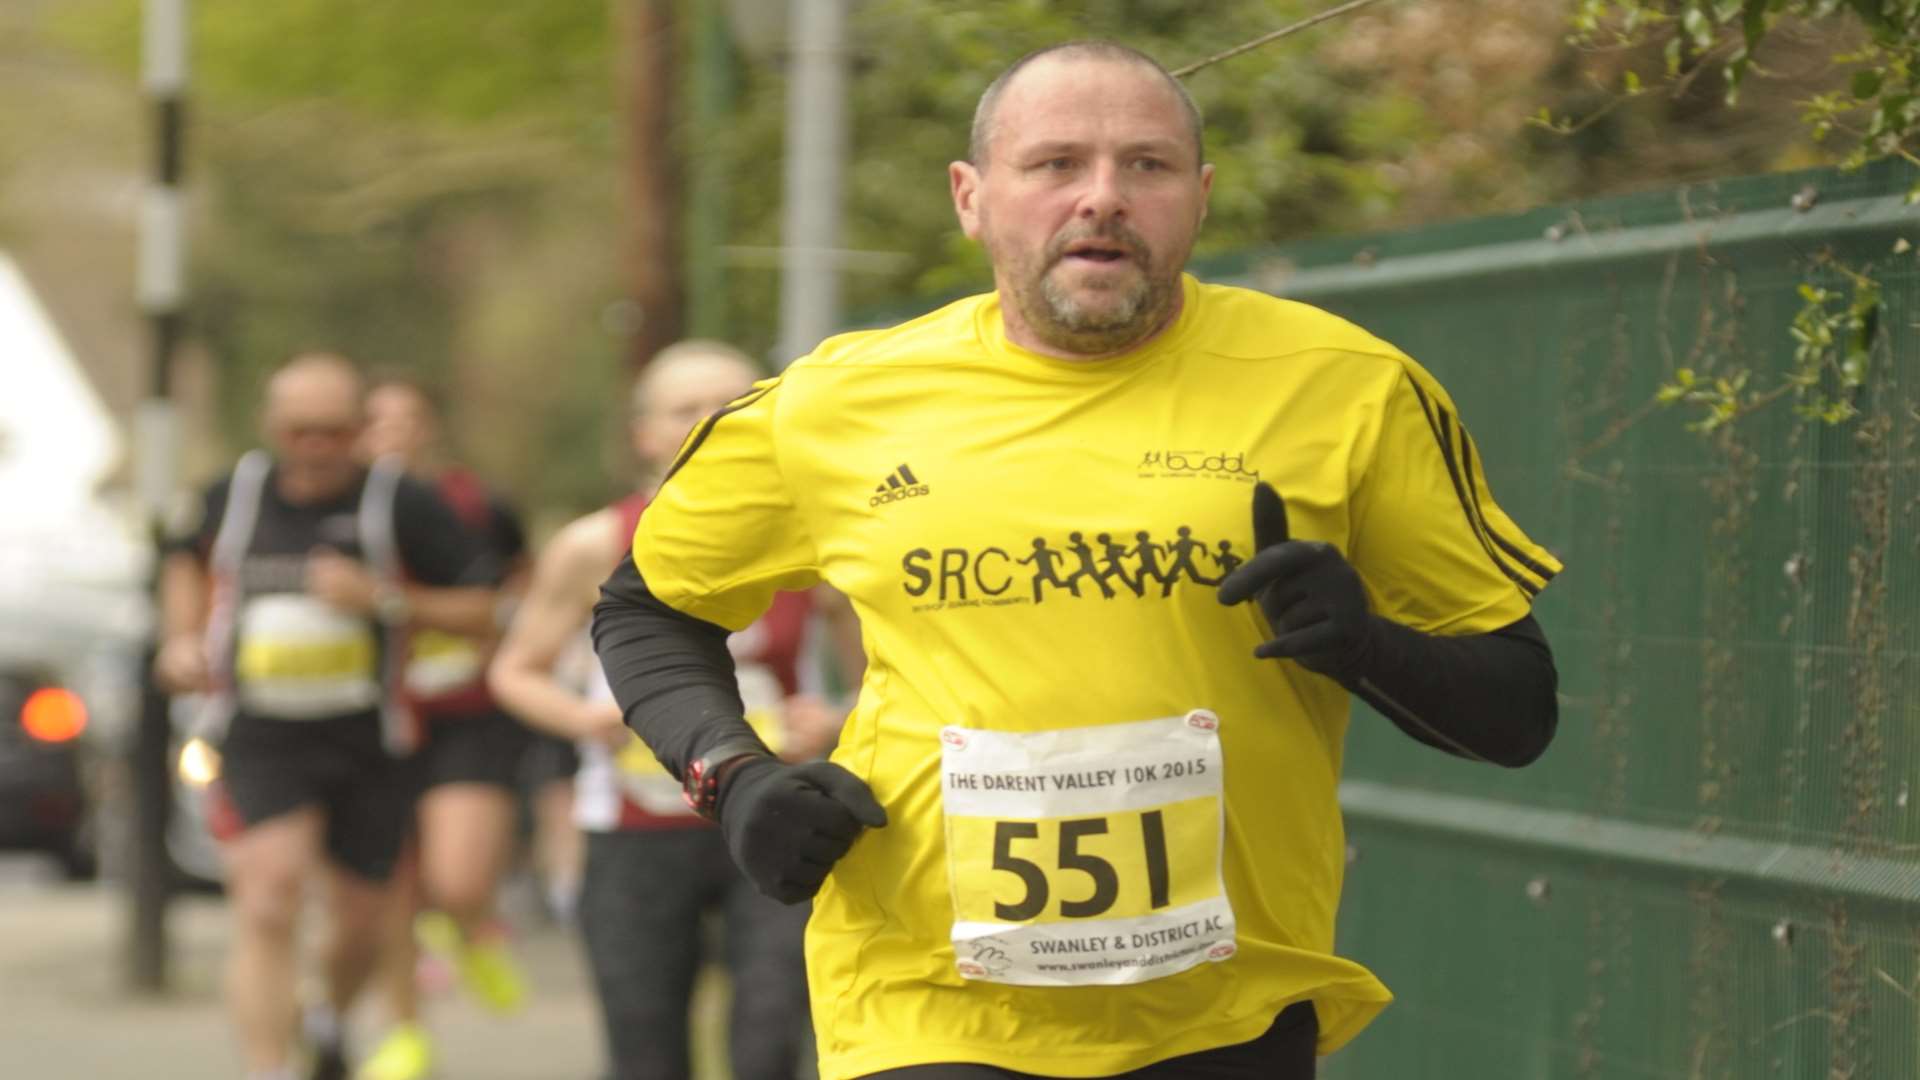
786,825
1311,595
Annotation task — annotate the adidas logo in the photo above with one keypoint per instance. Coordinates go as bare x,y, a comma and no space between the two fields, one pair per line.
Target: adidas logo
899,484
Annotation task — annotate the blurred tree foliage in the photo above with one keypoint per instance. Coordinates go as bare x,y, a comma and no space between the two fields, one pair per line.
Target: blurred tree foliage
1403,114
1873,97
1339,129
425,187
1865,101
435,184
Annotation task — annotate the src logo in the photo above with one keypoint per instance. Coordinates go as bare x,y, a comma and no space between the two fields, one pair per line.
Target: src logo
1179,463
1102,561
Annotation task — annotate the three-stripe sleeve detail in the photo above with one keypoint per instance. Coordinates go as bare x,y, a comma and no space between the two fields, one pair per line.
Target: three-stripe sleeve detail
706,426
1504,554
1518,554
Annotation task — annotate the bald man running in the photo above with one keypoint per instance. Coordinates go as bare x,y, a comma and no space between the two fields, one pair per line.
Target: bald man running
287,606
1073,831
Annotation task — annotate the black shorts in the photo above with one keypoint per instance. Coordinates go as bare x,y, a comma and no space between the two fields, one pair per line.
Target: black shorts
1285,1052
550,758
273,767
472,748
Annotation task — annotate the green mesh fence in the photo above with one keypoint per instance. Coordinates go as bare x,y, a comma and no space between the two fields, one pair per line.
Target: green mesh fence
1715,872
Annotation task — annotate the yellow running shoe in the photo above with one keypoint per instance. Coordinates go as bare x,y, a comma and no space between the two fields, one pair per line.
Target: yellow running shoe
405,1054
487,968
492,975
438,934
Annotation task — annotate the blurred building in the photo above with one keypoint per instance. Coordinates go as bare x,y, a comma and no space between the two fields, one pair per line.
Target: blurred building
73,564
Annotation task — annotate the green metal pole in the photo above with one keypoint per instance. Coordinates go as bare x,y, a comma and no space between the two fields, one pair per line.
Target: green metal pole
715,83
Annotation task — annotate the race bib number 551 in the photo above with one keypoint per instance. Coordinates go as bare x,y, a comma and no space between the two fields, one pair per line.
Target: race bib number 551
1086,856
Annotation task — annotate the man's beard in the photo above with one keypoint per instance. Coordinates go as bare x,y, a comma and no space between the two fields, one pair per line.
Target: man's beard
1060,320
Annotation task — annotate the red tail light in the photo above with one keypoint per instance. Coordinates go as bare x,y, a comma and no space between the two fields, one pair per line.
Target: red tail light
54,715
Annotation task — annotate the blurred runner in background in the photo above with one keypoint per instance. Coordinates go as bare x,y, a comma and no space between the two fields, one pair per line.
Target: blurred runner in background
653,867
468,766
289,604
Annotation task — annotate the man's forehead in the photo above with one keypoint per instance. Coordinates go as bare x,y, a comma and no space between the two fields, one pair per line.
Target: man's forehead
315,412
311,394
1064,90
1101,70
692,377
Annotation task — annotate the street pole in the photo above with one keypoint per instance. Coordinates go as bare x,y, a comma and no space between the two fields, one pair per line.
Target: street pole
160,289
714,79
816,153
648,32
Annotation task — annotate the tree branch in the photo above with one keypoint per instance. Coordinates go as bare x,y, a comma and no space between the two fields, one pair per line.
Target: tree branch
1303,24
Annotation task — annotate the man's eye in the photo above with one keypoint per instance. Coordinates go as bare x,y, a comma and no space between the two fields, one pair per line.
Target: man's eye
1149,164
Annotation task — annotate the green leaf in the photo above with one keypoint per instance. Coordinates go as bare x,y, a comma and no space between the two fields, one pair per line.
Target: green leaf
1754,26
1893,116
1698,28
1866,299
1736,73
1632,81
1866,83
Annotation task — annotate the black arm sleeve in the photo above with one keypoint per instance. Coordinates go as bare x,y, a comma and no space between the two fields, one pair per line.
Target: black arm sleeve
1489,697
670,672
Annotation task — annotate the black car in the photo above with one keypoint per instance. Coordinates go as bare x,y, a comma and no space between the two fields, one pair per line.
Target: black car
44,804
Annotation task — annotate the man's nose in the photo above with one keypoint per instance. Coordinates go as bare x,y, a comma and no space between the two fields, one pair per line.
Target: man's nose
1105,196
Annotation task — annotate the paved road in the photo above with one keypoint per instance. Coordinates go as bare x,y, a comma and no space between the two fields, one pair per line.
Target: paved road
65,1015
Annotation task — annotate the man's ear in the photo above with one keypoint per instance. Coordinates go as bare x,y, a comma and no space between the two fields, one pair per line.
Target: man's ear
965,182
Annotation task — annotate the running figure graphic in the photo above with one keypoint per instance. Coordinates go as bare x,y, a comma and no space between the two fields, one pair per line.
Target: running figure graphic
1113,553
1183,551
1081,551
1044,560
1148,552
1227,559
